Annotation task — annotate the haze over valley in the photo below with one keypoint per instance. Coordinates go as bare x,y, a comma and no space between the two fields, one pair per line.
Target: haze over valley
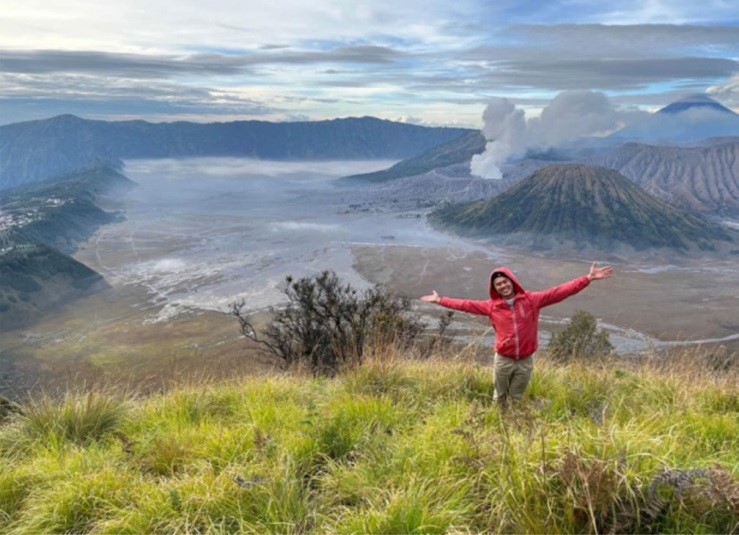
195,234
202,232
128,264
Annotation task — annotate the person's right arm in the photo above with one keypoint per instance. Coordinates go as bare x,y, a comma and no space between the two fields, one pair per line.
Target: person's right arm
481,308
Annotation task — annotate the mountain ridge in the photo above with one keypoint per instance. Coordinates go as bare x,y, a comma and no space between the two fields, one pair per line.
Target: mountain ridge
36,150
455,152
699,179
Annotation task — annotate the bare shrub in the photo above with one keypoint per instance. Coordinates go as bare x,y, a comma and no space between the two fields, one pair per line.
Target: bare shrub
598,493
698,497
440,340
327,325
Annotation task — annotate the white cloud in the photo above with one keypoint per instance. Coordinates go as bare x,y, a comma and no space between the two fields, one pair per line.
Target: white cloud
247,168
160,26
666,11
431,60
573,114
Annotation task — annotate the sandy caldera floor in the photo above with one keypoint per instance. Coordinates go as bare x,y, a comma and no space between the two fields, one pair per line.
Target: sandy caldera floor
692,301
112,336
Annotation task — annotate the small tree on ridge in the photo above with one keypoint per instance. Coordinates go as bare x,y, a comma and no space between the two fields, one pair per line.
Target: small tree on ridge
581,338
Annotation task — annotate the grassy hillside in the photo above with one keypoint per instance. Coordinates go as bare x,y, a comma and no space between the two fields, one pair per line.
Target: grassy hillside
392,447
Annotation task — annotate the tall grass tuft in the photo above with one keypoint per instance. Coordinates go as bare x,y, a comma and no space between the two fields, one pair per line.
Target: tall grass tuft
76,419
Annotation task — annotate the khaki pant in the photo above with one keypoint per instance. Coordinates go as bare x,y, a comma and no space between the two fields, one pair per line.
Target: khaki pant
511,378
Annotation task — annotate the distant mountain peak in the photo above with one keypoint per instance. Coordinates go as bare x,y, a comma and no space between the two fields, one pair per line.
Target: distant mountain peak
691,102
66,117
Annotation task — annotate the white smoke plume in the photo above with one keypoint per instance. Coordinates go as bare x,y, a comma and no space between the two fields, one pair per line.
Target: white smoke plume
505,129
571,115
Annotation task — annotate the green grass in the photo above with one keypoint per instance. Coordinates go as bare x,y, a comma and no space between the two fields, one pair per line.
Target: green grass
391,447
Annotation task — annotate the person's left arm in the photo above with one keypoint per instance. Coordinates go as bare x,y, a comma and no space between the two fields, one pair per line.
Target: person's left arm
568,289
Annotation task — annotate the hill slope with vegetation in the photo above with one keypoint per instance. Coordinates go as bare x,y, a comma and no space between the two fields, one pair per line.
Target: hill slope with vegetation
40,226
393,446
458,151
36,278
585,206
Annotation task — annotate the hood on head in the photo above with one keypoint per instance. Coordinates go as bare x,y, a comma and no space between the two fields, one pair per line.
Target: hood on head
509,274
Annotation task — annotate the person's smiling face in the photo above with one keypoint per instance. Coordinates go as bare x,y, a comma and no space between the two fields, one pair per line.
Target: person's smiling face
504,287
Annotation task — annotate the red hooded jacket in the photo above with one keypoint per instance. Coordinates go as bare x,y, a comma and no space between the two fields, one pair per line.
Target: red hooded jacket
517,327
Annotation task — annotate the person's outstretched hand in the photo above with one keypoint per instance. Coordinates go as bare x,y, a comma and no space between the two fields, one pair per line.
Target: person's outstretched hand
597,273
433,298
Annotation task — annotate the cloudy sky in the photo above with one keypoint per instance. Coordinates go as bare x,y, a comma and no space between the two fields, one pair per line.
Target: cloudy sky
424,61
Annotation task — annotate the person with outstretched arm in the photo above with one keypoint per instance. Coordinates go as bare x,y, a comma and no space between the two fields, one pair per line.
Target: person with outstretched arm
514,315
